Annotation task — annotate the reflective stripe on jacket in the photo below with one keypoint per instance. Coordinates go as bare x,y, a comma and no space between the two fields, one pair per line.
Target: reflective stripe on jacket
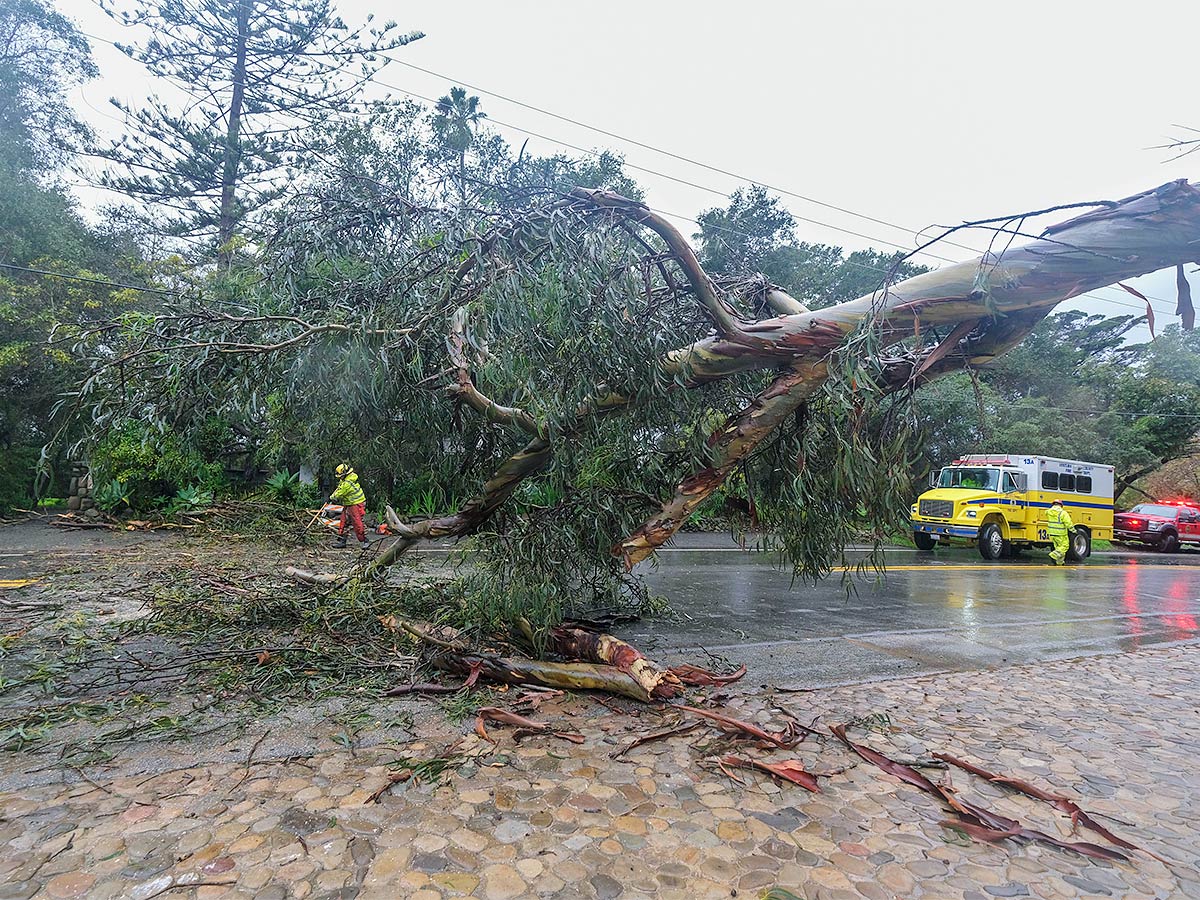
349,491
1058,521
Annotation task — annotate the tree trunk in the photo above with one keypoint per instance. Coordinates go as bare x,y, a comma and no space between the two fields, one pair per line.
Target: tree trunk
985,307
228,220
1141,234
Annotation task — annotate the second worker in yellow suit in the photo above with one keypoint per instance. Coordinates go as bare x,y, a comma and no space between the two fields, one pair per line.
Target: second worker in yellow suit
1059,527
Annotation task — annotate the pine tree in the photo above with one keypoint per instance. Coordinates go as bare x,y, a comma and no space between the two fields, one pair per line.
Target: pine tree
255,75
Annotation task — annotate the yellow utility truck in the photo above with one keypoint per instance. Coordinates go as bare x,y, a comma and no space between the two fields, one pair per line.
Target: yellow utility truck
999,503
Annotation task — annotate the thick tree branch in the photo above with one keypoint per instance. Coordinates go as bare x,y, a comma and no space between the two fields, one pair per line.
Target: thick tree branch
725,319
1141,234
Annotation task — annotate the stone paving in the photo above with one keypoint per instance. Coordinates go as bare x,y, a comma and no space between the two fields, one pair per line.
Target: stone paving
549,818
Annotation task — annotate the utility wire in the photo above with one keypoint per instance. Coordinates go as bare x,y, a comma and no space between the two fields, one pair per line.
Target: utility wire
99,281
703,165
375,80
694,221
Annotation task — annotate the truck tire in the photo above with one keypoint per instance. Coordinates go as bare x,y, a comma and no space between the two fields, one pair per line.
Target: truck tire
991,541
1079,547
924,541
1169,543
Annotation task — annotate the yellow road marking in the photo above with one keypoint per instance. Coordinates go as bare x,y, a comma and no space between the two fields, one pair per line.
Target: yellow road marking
1020,567
10,583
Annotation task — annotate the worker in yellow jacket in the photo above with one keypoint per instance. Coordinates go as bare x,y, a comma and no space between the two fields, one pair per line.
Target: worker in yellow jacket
350,495
1059,527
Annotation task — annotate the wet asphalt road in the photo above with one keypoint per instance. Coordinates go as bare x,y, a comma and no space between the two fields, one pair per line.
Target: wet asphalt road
950,611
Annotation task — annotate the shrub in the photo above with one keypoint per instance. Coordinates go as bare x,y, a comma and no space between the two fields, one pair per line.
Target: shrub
282,486
111,496
153,467
190,499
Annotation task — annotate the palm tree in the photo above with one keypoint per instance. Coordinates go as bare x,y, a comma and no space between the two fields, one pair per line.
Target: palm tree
454,121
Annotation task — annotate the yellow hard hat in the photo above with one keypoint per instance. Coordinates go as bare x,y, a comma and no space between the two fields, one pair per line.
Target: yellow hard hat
343,469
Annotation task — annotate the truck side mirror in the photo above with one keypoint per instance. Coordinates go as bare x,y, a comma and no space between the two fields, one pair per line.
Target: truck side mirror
933,478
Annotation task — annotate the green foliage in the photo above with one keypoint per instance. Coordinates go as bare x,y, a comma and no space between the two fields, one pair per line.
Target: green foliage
755,234
189,499
1075,389
17,466
112,496
306,495
282,486
156,469
286,488
42,56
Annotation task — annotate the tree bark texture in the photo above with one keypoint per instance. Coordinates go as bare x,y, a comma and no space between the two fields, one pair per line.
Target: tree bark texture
232,156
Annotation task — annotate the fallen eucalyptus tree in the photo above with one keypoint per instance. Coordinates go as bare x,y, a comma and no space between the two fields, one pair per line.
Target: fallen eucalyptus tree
564,365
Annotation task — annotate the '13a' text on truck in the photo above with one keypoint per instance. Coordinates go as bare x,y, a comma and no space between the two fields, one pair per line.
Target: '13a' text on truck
999,503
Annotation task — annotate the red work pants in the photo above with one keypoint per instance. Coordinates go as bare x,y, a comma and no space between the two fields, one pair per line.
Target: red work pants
355,515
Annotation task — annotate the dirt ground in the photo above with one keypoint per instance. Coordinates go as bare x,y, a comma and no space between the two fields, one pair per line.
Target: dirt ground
101,662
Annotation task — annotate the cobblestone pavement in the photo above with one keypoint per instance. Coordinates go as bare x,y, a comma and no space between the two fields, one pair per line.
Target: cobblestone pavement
549,818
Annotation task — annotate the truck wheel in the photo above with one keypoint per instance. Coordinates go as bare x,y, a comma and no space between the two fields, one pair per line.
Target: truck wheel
924,541
991,541
1079,547
1169,543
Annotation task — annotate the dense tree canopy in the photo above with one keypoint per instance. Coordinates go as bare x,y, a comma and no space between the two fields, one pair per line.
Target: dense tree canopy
42,57
553,370
513,347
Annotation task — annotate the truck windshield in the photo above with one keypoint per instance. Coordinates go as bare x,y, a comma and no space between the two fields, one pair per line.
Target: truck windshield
1155,509
979,479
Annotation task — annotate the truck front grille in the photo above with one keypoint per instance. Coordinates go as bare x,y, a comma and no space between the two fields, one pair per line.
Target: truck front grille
937,509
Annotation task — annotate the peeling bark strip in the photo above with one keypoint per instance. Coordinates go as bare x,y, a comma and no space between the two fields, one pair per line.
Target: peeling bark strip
571,676
596,647
1154,230
789,770
1184,308
978,822
529,460
739,435
1064,804
786,739
1141,234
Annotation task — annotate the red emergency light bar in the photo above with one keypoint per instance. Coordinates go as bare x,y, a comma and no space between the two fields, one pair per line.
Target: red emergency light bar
983,461
1183,502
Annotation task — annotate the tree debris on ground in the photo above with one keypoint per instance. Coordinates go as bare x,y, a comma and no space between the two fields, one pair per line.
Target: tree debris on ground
974,820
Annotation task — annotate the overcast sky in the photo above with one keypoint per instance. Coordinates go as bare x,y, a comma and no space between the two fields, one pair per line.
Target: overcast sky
912,113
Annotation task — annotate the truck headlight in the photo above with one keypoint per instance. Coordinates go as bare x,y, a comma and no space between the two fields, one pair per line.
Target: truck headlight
913,510
1154,526
971,514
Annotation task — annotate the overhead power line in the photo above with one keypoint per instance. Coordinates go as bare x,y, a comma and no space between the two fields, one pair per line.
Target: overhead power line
711,168
595,153
688,183
97,281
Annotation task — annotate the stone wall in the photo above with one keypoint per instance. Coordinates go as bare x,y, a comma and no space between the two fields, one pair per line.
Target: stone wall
81,492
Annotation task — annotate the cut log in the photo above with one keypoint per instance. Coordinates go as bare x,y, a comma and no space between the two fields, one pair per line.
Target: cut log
597,647
570,676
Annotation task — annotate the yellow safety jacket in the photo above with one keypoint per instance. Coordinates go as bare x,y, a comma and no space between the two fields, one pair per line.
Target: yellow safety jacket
1058,522
349,492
